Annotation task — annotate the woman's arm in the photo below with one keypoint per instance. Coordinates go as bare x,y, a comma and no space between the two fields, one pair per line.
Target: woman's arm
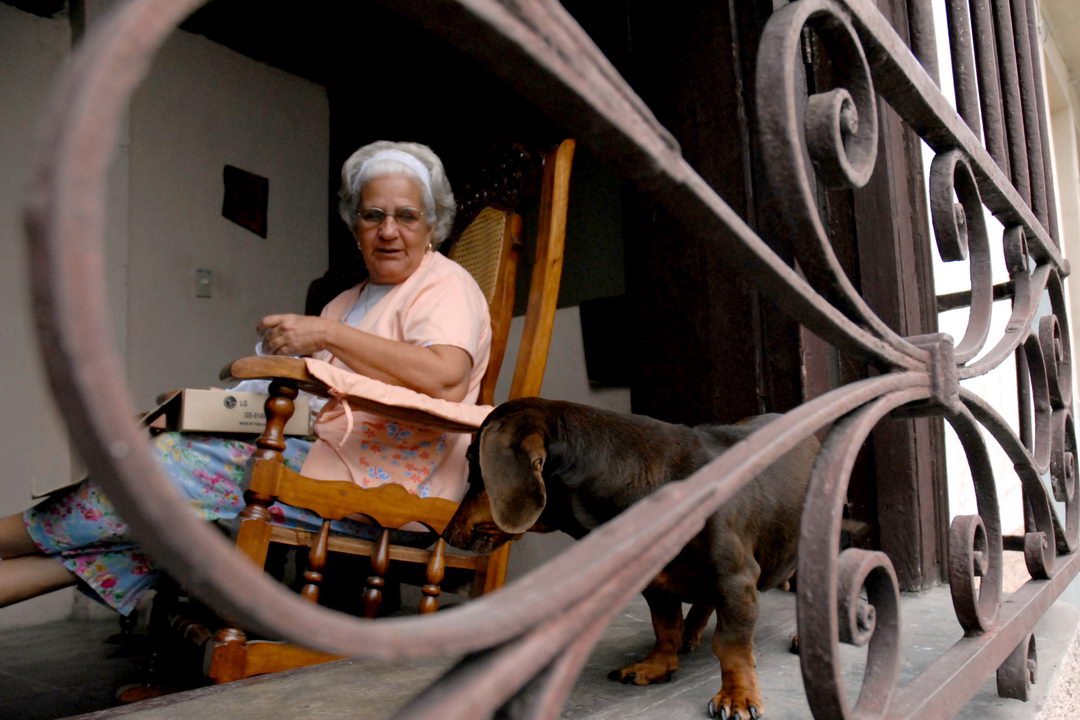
441,371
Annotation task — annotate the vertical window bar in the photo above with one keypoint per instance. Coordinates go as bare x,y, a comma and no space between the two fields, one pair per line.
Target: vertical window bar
1014,111
1040,106
1029,100
986,68
923,43
1025,430
963,63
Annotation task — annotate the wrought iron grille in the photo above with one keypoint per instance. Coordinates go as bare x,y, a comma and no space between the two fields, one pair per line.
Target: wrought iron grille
991,154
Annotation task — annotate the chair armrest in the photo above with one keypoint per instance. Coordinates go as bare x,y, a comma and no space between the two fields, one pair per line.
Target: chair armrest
361,392
267,367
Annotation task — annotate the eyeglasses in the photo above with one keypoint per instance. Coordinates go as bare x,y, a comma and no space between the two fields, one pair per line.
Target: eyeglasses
406,217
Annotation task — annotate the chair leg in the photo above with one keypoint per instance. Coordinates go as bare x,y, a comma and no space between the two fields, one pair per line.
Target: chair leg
226,655
380,566
316,563
436,571
491,572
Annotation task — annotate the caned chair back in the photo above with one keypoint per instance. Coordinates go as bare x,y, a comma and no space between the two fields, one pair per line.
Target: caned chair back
489,248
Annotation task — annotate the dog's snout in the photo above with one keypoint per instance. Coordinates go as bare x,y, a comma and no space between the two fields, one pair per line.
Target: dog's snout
472,526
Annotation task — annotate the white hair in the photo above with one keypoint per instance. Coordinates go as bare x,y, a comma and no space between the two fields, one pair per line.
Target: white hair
439,205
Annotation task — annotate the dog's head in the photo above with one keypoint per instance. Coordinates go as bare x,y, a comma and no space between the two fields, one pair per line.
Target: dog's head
506,492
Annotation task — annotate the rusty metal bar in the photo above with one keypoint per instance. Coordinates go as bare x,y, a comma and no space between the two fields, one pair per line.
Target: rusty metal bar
986,63
960,229
1030,101
1040,104
961,49
1025,462
975,542
923,38
1025,304
1010,89
962,299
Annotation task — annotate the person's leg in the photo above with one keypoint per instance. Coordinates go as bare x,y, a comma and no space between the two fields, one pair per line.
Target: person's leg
28,576
77,535
14,540
25,572
81,529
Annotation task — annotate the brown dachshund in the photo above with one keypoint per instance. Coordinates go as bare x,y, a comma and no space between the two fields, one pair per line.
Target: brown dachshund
546,465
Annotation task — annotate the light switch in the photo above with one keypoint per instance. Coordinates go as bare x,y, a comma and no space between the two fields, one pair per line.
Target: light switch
204,283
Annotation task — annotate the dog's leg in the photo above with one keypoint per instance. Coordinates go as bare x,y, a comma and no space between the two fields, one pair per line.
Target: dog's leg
733,645
694,627
662,661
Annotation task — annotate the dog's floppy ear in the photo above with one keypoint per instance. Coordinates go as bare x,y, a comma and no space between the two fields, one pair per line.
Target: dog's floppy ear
512,478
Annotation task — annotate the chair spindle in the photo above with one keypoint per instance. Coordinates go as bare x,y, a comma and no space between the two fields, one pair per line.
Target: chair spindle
436,571
279,408
380,565
316,563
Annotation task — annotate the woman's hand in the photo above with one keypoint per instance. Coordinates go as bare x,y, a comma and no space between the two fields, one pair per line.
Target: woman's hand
294,334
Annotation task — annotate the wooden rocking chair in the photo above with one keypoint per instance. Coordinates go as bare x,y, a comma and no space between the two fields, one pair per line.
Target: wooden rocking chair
489,248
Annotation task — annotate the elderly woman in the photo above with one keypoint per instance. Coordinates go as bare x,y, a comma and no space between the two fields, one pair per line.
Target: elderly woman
419,322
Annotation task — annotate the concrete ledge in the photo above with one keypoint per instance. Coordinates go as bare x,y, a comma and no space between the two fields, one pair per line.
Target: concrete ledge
364,689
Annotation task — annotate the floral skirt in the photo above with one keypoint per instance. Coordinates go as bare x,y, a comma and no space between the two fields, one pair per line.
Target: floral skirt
81,529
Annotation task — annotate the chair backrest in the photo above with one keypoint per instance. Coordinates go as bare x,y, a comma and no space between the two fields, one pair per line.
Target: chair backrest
490,249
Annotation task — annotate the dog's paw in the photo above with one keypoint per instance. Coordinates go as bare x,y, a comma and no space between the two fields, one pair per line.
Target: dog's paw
643,673
724,711
739,696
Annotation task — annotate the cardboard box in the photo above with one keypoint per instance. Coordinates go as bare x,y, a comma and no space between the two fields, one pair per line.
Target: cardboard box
226,411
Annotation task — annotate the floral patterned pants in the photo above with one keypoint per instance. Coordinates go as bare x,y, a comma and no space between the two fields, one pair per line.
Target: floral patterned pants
80,528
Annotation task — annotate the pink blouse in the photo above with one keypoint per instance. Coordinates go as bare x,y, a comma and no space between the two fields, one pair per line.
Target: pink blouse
439,304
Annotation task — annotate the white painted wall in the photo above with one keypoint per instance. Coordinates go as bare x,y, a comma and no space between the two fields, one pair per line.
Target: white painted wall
1061,73
204,107
33,49
201,107
1063,104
